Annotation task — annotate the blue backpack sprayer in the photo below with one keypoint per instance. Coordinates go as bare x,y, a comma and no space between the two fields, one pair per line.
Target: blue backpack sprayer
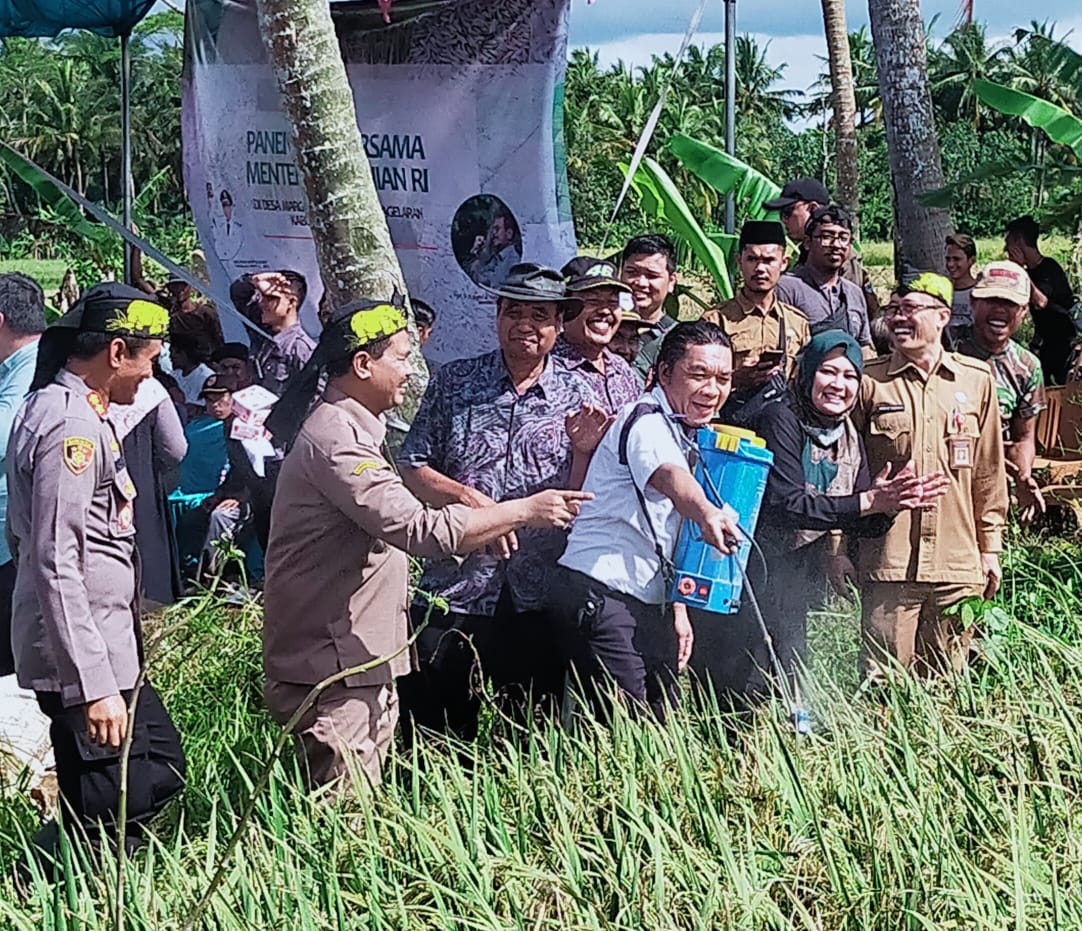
732,467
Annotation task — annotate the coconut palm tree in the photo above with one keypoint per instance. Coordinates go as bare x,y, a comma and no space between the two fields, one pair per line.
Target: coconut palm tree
353,244
966,55
909,120
847,180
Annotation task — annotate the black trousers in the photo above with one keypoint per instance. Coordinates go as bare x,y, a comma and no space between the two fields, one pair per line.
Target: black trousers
7,587
88,776
730,651
515,651
613,639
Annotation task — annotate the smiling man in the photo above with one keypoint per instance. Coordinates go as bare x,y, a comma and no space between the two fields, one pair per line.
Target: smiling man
936,410
71,521
337,574
610,598
817,288
648,267
583,347
999,299
488,429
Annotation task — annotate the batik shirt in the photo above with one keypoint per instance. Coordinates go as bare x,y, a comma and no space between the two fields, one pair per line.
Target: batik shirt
475,428
612,388
1019,381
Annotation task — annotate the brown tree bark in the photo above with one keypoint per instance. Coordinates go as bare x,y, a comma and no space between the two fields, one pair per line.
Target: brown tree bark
912,145
353,244
843,99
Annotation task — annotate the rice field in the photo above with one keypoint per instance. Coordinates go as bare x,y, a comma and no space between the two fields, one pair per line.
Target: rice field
951,805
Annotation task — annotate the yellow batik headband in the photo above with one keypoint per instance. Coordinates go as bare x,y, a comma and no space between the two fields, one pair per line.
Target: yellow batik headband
373,323
140,319
933,285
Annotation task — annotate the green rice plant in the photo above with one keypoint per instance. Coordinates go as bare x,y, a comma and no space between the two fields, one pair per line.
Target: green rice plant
950,804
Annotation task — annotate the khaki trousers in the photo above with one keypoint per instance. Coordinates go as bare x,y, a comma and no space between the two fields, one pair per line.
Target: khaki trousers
905,622
345,736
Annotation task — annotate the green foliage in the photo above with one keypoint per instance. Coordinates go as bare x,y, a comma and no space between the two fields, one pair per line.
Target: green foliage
60,106
951,804
661,200
1060,125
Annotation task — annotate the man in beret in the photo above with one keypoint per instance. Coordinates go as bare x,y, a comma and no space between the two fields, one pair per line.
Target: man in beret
766,333
75,627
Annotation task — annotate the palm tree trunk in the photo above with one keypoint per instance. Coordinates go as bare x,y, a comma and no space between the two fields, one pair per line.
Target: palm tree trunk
353,244
843,97
912,145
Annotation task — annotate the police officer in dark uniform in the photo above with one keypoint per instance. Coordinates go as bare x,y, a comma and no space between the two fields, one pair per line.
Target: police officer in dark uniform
75,617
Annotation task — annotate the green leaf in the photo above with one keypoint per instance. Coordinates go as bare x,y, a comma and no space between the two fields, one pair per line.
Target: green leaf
725,174
989,171
659,197
63,207
1060,125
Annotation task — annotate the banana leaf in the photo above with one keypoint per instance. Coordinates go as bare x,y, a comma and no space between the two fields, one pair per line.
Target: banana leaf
1060,125
659,198
988,171
62,205
725,174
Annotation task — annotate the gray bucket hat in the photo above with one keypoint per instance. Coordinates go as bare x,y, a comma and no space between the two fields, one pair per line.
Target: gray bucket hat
528,281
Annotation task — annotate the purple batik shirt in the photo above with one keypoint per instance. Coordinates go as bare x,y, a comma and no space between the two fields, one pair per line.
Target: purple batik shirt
611,389
475,428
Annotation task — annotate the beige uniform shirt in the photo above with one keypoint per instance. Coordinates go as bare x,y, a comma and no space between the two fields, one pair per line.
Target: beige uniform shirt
75,623
336,568
752,331
945,421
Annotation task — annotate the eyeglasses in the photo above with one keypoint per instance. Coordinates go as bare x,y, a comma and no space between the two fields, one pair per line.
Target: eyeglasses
828,238
906,311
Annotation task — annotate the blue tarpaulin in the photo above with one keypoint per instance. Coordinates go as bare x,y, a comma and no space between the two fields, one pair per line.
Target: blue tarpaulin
111,18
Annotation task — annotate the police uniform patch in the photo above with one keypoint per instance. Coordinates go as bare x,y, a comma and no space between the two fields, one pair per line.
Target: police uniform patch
363,467
124,518
78,454
97,403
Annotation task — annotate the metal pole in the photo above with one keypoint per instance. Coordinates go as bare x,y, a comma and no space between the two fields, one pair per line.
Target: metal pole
730,103
125,146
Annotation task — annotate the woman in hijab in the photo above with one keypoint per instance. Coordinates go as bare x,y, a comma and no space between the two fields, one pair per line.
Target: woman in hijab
819,487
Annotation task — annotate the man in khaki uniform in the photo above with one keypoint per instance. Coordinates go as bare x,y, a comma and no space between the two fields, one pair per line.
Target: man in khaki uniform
938,411
75,617
766,334
342,523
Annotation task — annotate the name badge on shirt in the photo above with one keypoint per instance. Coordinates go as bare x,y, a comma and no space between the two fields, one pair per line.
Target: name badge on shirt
960,452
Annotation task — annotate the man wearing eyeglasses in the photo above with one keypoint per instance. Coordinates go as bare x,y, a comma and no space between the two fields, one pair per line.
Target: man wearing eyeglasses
828,300
937,412
798,199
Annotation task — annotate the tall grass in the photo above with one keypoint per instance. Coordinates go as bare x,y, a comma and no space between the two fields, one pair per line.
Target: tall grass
949,805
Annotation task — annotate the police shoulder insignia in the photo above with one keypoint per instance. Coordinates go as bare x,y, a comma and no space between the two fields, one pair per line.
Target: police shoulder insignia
97,402
367,464
78,454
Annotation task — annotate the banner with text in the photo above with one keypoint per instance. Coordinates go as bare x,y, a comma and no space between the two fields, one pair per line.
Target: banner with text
460,107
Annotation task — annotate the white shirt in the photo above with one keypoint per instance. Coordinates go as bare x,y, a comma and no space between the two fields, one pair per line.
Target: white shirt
192,383
610,540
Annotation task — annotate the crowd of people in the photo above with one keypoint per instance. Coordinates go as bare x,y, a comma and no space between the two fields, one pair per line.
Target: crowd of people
543,486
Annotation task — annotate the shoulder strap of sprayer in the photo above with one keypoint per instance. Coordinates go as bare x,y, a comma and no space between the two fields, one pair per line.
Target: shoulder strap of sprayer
668,570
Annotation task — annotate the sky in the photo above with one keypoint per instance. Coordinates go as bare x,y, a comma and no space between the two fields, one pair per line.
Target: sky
633,30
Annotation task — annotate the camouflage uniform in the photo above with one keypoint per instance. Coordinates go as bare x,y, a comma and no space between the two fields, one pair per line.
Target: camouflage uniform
1019,381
